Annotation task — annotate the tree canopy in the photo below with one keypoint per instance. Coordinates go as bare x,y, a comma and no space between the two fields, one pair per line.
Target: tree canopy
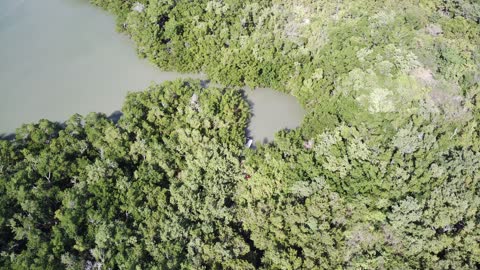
383,173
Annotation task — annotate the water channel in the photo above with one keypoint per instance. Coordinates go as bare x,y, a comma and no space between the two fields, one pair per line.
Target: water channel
60,57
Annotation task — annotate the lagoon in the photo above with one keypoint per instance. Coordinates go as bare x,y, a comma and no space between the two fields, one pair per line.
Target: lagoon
60,57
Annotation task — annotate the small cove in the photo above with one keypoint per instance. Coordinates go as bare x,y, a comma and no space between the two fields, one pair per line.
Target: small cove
60,57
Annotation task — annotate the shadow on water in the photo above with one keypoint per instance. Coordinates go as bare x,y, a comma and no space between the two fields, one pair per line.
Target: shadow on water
115,116
204,83
248,131
7,136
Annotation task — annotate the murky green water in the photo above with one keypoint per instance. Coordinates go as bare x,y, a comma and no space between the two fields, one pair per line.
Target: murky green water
272,111
60,57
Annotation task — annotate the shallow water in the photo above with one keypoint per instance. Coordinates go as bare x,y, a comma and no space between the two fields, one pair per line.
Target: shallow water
272,111
60,57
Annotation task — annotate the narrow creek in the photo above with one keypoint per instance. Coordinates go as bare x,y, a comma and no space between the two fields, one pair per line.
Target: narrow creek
60,57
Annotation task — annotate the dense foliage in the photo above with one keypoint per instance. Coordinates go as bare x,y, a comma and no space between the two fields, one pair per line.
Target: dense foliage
154,190
382,174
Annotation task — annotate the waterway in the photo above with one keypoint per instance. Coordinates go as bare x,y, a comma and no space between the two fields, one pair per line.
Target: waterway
60,57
